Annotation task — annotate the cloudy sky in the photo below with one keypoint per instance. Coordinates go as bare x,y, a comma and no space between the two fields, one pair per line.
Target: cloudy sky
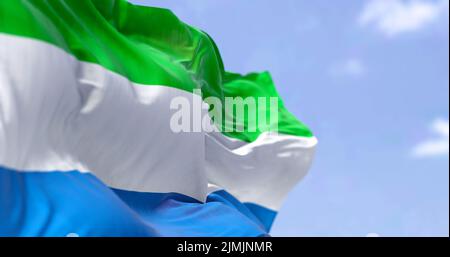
370,77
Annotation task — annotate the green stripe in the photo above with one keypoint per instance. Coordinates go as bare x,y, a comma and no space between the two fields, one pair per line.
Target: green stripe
145,44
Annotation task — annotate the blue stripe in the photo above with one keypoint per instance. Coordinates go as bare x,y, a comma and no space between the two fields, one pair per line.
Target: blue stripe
60,203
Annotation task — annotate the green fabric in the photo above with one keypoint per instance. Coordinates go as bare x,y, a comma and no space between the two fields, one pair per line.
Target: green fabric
145,44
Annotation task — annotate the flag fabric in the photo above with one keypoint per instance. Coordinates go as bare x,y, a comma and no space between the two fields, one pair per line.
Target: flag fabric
86,146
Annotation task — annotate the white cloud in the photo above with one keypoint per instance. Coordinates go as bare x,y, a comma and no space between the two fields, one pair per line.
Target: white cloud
352,67
393,17
372,235
437,146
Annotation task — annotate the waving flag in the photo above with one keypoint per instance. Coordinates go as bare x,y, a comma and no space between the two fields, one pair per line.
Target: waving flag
86,142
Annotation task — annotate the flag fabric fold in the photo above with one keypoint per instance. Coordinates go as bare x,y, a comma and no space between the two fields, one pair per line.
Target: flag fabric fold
86,145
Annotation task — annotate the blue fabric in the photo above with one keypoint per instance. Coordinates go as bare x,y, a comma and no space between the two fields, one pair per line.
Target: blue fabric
63,203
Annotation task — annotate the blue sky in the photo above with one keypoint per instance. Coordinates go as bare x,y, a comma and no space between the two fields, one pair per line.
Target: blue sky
371,79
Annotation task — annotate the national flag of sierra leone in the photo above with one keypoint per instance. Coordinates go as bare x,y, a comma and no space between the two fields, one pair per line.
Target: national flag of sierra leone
86,144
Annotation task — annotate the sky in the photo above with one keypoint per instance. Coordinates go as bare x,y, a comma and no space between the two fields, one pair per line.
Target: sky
371,79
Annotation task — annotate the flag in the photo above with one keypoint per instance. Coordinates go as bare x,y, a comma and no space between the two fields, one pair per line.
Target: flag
94,143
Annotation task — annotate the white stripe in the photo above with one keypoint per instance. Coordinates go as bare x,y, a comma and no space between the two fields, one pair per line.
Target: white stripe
263,171
62,114
57,113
